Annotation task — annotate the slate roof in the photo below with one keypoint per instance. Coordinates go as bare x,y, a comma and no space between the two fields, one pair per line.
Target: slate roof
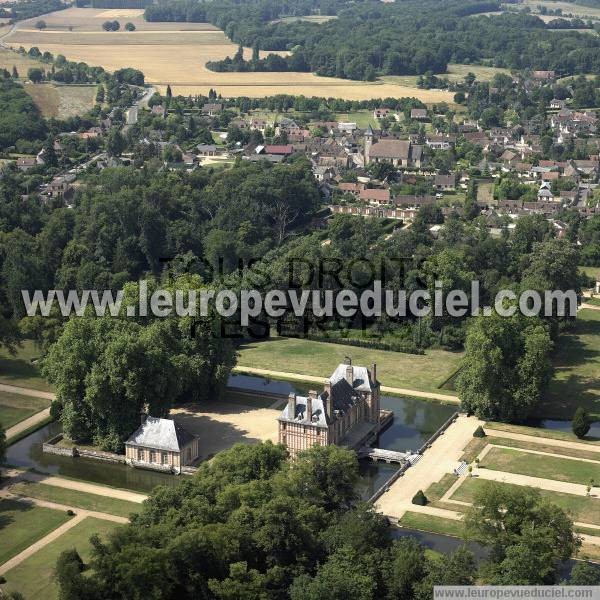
344,397
160,434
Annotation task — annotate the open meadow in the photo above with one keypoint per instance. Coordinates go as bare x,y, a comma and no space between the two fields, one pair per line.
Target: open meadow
175,54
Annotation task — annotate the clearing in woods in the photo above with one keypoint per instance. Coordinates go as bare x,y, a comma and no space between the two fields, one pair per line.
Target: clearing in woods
176,54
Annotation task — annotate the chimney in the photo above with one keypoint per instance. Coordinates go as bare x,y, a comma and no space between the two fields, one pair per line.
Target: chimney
292,405
349,374
374,373
312,395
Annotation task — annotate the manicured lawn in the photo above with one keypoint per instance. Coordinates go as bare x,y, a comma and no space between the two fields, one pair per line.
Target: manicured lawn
23,524
34,577
436,490
394,369
361,117
423,522
537,465
51,493
576,381
539,432
582,508
590,271
19,370
16,407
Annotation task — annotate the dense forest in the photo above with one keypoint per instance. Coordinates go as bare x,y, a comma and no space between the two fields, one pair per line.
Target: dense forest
369,39
251,525
27,9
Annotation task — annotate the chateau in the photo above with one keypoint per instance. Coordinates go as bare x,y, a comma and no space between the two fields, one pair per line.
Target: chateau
344,413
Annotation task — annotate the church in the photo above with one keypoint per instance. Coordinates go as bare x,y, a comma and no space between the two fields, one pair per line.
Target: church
401,153
344,413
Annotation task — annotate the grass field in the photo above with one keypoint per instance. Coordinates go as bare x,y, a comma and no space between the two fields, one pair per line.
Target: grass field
413,520
539,432
8,59
590,271
41,491
394,369
16,407
23,524
62,101
576,380
176,54
34,577
544,466
19,370
582,508
566,7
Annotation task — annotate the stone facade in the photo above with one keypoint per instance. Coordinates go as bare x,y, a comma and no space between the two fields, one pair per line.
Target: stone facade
350,398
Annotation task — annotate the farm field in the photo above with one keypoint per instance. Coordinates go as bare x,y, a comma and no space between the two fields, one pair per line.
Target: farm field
9,59
34,577
394,369
62,101
15,408
566,7
175,54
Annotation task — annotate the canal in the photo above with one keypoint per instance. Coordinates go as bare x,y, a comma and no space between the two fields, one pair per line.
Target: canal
414,422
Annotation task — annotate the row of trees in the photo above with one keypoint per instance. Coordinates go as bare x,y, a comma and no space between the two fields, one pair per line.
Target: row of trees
252,525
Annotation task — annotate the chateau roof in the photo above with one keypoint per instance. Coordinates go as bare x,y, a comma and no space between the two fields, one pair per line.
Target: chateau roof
161,434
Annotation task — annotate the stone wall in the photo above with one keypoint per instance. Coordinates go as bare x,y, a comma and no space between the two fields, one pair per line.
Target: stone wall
52,447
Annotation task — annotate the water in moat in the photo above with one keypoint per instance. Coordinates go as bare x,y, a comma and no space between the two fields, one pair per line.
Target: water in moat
414,422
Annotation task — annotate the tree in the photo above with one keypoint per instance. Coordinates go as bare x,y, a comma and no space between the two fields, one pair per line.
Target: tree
129,27
506,367
419,498
35,75
40,25
107,370
15,73
581,422
115,143
100,94
584,573
528,537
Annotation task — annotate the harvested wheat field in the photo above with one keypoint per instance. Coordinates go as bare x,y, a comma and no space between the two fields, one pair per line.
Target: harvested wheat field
62,101
175,54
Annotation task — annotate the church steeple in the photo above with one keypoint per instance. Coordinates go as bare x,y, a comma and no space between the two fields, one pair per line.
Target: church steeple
368,142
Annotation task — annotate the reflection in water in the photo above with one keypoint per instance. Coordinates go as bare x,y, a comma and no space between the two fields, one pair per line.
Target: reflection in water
555,425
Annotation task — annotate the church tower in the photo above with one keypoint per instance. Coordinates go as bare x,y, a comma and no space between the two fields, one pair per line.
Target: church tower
368,143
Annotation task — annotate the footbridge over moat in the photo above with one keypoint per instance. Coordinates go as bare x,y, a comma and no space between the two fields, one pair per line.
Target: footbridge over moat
389,456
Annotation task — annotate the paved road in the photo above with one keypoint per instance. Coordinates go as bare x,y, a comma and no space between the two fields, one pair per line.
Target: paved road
441,458
15,475
314,379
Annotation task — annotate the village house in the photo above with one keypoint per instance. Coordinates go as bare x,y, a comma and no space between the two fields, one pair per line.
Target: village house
59,187
375,196
161,444
420,114
346,127
346,411
445,183
24,163
206,150
212,108
440,142
380,113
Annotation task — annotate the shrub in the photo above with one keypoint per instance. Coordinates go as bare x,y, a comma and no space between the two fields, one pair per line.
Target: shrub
70,513
479,432
581,423
2,579
129,27
419,498
40,25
